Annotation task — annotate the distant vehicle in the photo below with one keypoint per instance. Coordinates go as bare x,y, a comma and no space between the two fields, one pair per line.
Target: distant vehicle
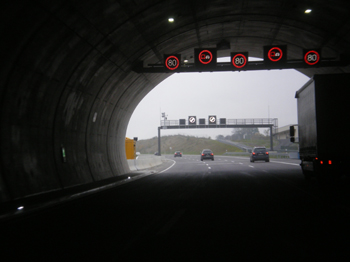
322,129
207,154
259,153
177,153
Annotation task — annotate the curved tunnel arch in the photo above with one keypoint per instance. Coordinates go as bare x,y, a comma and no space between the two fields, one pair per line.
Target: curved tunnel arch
67,79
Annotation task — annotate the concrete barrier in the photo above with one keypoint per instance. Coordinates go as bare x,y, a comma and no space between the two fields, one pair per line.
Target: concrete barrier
144,162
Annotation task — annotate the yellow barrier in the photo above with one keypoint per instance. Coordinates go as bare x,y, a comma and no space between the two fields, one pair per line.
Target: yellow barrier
130,148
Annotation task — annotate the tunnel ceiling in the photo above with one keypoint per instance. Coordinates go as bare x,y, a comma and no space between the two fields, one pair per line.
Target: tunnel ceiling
67,81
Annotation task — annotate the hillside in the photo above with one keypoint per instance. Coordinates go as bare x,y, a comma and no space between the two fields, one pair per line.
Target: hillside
185,144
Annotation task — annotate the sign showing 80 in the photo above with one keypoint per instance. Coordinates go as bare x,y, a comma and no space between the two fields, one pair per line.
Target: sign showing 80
172,62
239,60
311,57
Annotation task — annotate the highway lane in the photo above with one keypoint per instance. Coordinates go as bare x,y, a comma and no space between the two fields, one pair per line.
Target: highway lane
192,210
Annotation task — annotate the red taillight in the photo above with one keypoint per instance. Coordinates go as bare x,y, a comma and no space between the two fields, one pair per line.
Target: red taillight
211,154
267,153
329,162
253,153
202,154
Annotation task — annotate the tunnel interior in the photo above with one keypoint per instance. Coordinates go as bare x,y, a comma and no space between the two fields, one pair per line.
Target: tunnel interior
68,88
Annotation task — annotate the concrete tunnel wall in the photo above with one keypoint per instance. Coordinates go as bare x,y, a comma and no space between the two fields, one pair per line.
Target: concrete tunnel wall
65,86
66,75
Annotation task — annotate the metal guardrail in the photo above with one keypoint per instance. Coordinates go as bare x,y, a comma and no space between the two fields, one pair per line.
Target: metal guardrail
292,155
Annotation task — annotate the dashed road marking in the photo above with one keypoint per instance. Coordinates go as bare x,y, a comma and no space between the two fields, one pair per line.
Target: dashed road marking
286,163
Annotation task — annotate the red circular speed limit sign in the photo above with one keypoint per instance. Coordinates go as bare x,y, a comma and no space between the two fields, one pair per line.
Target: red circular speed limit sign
239,60
172,62
275,54
205,57
312,57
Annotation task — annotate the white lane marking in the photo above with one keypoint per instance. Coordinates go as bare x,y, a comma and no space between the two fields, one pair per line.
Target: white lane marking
168,167
285,163
240,163
246,158
246,173
251,166
209,167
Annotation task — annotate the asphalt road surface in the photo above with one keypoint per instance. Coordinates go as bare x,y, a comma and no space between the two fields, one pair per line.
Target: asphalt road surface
191,210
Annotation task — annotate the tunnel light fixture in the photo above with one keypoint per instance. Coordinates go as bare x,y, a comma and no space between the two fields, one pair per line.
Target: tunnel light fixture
308,11
64,158
94,118
171,20
20,208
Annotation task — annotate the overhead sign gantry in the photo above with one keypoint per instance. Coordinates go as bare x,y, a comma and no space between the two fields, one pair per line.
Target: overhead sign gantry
213,122
275,57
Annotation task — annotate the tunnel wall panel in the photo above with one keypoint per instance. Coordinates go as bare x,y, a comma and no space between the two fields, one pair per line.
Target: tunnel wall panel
103,15
26,144
122,113
97,134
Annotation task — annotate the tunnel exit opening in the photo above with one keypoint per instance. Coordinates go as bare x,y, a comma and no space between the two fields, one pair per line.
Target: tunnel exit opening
258,94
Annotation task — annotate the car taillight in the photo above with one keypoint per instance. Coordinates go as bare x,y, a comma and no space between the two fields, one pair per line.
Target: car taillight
253,153
202,154
267,153
211,154
329,162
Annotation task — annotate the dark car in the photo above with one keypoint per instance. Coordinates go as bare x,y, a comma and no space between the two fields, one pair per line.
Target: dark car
259,153
177,153
207,154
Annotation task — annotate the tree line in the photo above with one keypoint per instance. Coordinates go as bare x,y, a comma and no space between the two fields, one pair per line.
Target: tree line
245,133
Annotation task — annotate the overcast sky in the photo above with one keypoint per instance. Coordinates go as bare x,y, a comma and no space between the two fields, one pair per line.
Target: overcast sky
230,95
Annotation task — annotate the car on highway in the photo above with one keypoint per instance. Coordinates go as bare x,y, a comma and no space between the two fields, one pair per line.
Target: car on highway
207,154
177,153
259,153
